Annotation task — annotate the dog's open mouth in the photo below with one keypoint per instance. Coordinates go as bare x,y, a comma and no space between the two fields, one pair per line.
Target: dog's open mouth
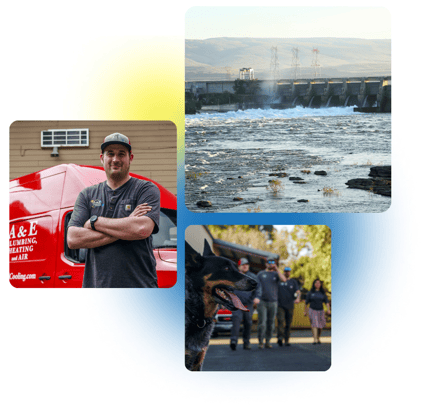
228,299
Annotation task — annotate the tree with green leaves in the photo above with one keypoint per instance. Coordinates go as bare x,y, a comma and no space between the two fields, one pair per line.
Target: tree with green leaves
306,249
316,263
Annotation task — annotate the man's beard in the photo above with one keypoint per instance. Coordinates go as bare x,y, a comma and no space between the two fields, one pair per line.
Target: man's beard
119,176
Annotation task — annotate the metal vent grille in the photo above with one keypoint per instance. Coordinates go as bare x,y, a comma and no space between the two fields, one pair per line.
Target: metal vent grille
65,138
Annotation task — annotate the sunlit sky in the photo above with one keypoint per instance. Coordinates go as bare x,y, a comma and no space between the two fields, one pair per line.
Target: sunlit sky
288,22
289,228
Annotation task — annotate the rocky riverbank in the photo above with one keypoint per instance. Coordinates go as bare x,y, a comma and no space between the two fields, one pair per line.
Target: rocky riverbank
261,161
380,182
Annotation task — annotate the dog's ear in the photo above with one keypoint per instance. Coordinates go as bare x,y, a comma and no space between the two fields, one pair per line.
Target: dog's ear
207,251
193,260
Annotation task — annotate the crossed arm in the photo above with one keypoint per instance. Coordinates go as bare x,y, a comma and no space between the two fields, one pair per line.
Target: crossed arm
108,230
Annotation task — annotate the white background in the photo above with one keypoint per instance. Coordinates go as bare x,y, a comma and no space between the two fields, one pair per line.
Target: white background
102,348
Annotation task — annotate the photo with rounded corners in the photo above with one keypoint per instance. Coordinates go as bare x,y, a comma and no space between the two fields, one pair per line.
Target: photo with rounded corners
93,204
258,298
283,120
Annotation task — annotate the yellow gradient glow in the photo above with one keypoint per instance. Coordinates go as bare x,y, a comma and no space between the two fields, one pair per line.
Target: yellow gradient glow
137,78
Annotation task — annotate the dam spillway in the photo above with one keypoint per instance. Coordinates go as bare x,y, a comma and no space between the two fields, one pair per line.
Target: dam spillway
368,93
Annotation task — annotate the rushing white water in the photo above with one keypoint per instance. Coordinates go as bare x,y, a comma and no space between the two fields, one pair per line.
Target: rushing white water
261,114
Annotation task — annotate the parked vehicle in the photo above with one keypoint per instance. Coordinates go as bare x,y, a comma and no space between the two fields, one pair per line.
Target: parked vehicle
41,205
223,321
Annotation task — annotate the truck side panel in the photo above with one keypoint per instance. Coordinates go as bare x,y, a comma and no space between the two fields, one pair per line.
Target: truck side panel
32,248
69,271
34,213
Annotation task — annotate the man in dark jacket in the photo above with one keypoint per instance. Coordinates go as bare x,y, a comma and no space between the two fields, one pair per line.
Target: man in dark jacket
288,295
267,308
249,300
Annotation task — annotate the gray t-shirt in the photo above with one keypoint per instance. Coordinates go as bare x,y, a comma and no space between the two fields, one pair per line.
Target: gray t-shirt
123,263
286,291
269,283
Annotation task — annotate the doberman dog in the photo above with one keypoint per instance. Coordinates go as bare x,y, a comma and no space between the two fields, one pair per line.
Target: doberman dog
209,281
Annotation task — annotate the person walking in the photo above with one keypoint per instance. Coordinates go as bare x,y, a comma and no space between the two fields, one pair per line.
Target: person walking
315,299
250,299
288,295
267,307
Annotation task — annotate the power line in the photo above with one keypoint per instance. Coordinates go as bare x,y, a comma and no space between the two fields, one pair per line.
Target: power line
274,64
295,63
315,63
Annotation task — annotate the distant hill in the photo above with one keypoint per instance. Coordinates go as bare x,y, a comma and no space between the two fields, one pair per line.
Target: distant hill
221,58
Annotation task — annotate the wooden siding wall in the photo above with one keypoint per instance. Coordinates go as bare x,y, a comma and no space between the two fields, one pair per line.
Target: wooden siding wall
154,145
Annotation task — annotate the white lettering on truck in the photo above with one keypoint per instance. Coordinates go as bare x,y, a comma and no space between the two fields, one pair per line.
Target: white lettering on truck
32,230
21,243
22,277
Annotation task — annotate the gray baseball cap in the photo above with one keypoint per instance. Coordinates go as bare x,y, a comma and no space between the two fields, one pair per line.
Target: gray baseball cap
116,138
242,261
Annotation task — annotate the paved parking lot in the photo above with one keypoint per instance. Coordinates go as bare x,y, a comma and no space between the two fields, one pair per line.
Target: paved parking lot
302,355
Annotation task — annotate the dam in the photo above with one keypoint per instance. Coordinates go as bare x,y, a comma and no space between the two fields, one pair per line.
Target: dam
369,94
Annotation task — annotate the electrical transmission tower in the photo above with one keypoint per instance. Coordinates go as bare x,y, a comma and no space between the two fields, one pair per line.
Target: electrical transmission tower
295,63
274,64
315,63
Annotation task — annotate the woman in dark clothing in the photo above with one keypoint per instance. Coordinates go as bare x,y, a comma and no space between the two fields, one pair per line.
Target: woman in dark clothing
314,307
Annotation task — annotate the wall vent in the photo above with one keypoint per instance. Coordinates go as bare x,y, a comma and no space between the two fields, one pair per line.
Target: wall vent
65,138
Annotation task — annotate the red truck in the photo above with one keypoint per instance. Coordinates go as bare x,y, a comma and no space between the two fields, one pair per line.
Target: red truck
41,205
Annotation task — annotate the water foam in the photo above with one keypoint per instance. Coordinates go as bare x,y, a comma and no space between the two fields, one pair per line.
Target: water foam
266,114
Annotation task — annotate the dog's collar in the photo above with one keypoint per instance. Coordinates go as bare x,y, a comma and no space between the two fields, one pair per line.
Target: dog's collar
200,322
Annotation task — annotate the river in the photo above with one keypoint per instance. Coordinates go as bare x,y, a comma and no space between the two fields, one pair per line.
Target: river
231,155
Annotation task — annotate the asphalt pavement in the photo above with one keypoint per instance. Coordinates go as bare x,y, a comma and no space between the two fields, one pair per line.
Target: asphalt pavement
301,355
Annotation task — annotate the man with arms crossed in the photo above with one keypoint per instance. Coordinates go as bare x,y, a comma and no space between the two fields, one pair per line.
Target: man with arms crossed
115,220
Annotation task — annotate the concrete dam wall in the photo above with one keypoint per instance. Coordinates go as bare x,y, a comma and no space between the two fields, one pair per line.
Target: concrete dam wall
372,93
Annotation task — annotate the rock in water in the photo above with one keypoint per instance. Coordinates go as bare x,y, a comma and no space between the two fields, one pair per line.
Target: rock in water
320,173
204,204
278,174
380,183
378,186
381,171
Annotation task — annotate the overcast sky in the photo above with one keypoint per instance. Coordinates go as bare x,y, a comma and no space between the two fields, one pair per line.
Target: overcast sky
288,22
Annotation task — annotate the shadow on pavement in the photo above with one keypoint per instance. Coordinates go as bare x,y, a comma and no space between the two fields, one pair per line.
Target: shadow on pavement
302,355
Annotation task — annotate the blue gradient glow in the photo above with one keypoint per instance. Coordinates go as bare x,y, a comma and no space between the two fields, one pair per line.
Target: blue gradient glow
126,347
